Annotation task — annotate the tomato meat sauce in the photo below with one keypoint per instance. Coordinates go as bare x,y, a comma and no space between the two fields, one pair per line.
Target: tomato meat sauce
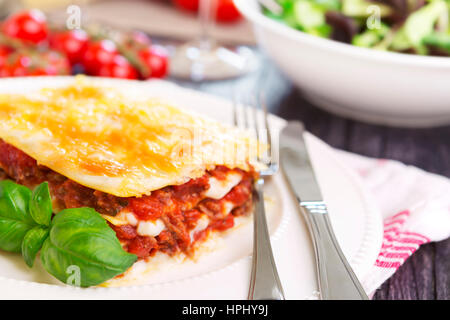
179,207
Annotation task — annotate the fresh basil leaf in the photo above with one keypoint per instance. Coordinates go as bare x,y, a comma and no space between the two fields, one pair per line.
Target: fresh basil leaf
41,204
32,243
81,239
12,233
14,200
15,221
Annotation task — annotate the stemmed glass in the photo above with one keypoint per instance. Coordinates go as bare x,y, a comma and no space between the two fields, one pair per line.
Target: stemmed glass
203,59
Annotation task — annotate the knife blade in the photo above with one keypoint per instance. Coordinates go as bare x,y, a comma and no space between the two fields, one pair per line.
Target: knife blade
335,276
295,159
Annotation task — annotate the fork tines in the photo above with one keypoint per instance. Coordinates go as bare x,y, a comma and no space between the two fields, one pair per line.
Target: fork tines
251,114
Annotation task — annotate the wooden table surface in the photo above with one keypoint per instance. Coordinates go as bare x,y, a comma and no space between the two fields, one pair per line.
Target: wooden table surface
426,274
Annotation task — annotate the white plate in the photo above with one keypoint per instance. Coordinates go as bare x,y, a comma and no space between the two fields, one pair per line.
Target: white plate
223,273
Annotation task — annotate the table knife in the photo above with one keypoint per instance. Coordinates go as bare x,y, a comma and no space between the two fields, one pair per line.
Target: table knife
336,279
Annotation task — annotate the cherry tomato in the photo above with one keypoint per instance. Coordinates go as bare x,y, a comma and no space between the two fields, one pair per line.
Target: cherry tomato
98,54
18,65
226,10
72,43
48,63
54,63
118,68
155,59
190,5
4,54
28,25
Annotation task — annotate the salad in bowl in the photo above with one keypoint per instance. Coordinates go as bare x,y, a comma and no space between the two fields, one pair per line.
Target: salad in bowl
388,86
406,26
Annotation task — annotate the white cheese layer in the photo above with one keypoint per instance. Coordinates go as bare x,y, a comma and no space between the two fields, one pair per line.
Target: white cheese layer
202,224
227,207
219,188
150,228
131,218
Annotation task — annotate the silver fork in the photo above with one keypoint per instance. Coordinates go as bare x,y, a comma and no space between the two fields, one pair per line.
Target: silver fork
265,282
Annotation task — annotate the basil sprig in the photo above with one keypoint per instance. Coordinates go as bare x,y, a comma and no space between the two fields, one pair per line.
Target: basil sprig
15,220
76,239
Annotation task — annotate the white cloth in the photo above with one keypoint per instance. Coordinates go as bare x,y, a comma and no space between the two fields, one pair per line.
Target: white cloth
415,206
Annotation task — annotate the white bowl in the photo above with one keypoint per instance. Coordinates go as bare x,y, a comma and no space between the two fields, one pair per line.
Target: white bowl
380,87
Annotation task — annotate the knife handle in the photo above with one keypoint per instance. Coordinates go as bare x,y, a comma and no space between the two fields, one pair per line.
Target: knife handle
337,281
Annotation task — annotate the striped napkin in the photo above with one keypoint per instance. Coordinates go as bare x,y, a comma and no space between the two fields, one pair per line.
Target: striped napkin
415,211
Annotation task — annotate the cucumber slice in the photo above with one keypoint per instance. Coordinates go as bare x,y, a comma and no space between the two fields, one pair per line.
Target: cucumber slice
308,14
359,8
421,23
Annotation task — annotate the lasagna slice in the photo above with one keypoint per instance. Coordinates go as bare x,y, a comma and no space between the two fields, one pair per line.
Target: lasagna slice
162,177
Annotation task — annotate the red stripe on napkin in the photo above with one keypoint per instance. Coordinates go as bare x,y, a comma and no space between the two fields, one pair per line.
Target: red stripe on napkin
398,245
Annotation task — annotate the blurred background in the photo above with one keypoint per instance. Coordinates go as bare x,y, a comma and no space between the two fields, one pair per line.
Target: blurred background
157,17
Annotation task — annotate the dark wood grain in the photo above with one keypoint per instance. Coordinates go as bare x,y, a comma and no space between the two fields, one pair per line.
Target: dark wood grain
426,274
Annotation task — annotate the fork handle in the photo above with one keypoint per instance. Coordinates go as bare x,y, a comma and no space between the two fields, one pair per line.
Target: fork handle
265,283
337,281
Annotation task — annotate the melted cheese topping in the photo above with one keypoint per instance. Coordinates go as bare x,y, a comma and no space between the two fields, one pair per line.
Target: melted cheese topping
125,146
